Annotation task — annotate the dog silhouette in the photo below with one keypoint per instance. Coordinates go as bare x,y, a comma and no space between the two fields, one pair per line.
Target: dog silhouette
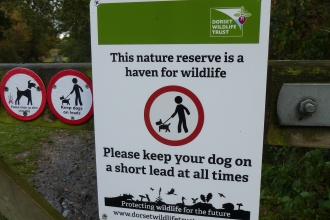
65,100
165,127
26,93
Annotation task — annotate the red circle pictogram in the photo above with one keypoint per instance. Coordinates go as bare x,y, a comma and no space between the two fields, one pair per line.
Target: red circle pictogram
26,74
195,100
50,91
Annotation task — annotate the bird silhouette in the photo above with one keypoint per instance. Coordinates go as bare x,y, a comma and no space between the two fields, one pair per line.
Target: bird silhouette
171,192
221,195
194,200
151,189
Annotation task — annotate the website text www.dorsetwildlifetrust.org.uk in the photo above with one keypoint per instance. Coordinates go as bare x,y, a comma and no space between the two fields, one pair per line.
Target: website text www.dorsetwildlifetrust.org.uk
148,216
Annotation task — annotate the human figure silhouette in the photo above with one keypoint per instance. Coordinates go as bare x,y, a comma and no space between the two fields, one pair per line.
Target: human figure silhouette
76,89
180,110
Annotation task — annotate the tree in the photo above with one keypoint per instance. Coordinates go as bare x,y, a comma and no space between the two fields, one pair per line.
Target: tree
31,34
14,44
73,18
5,22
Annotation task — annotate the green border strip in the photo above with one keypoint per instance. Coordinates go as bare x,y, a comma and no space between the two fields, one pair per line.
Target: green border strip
173,22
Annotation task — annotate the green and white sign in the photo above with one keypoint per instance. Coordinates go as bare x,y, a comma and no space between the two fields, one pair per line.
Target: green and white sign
179,97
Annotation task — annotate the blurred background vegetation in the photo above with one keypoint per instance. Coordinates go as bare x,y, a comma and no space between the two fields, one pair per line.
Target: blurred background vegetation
295,181
34,30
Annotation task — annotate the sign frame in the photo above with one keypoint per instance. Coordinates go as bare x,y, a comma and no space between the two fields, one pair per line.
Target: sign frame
143,49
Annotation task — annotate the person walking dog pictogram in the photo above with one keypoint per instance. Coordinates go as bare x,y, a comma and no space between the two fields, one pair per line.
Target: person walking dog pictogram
180,110
76,89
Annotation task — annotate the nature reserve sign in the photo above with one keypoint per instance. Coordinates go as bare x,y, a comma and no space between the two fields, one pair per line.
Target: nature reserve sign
179,98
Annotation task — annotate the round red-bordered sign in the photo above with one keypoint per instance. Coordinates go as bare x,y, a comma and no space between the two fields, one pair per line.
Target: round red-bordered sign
23,94
196,102
70,97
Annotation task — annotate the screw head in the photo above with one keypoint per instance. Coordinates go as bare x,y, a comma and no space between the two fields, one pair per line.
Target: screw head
308,107
104,216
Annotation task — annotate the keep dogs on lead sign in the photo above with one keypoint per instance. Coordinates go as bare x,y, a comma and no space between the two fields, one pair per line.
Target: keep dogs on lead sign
179,99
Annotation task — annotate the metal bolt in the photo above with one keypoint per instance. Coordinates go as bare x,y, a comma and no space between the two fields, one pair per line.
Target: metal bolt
307,107
104,216
6,89
310,108
54,86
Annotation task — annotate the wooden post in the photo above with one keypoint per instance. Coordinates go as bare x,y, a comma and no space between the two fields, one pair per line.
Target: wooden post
19,201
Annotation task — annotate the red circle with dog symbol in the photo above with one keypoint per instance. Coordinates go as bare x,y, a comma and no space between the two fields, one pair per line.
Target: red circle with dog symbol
23,94
70,97
174,115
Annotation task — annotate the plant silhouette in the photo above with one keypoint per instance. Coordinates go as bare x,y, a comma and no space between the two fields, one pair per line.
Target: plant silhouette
194,200
203,198
239,205
209,197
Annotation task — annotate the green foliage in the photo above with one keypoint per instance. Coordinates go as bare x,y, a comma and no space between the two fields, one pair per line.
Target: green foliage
75,49
73,17
2,217
31,33
5,22
295,183
300,29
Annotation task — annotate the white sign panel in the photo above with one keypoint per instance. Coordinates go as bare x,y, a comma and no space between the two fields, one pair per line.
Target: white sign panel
179,107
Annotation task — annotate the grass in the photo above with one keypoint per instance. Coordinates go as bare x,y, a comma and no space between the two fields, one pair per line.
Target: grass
20,146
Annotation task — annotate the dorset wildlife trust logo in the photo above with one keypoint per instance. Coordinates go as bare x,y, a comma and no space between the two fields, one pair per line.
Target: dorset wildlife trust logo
242,15
228,22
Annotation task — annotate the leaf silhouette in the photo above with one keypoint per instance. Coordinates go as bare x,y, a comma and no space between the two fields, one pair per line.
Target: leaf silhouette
247,14
202,197
209,197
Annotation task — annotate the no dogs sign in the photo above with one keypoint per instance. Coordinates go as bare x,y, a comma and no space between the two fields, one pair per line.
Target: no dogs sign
179,107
